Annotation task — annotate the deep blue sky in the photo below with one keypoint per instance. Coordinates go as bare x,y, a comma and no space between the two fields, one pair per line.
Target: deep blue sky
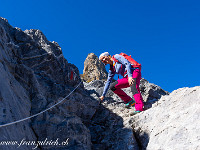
164,36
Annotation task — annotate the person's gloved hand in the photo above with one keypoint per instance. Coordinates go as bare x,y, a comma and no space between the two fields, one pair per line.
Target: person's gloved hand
102,98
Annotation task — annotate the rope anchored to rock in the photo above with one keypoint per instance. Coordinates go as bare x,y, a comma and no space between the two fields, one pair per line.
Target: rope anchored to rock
7,124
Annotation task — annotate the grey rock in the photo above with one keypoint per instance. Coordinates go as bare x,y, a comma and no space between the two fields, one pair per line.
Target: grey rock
34,76
150,91
172,122
94,69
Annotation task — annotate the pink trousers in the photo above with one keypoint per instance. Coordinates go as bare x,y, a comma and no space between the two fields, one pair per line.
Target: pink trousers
117,86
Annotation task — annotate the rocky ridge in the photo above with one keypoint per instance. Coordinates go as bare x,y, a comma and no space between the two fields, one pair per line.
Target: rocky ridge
35,75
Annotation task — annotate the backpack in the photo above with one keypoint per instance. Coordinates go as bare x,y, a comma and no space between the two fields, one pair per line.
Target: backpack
134,63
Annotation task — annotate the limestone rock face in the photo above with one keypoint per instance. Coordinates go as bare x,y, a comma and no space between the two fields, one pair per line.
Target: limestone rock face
94,69
172,123
14,99
34,76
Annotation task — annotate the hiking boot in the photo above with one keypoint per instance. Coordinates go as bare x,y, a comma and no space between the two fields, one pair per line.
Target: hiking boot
135,112
129,104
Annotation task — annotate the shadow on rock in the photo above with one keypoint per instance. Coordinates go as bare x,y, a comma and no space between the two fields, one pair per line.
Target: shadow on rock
142,139
108,132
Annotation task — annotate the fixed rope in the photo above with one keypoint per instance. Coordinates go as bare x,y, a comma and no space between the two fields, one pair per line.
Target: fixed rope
7,124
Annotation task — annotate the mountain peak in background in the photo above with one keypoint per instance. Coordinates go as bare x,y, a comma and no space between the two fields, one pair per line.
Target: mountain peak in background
94,69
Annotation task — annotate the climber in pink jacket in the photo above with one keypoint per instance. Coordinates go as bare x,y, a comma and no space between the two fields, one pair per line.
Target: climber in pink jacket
131,78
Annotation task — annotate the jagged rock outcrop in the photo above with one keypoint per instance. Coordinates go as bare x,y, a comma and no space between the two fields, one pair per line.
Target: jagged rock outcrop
14,99
34,76
94,69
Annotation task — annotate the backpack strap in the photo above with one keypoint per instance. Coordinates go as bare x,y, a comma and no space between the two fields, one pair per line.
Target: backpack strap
115,60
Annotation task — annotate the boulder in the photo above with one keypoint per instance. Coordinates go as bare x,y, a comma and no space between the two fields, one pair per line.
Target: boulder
172,123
